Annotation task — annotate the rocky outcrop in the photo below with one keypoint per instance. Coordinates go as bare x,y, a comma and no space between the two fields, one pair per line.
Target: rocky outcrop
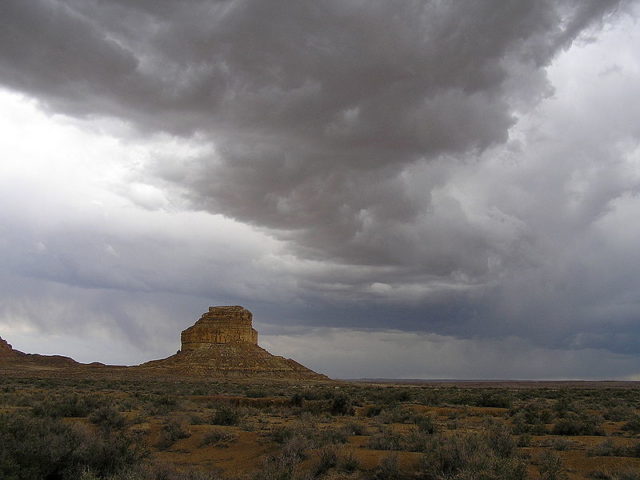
220,325
223,343
8,355
6,350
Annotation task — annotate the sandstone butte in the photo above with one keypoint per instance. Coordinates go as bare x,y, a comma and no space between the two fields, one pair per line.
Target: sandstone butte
221,344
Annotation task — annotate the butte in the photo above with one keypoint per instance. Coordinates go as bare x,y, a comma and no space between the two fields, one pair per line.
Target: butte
223,343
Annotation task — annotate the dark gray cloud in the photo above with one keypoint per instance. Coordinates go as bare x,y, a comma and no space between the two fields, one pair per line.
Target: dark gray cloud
316,109
417,165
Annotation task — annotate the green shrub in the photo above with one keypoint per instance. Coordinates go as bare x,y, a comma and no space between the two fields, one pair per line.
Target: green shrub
297,400
278,467
387,439
162,404
330,436
561,444
618,413
500,441
348,463
563,406
326,460
608,449
226,415
524,440
46,448
425,423
551,467
574,424
284,434
615,475
69,405
354,428
341,405
633,425
296,448
388,469
416,441
471,456
494,399
108,418
172,431
396,415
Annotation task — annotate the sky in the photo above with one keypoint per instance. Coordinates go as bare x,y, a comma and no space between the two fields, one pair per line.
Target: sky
398,189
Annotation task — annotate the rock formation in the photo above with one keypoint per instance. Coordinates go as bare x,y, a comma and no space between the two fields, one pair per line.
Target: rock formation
8,355
6,350
223,343
220,325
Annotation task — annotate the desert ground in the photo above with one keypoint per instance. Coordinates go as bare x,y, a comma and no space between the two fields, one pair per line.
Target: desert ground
113,427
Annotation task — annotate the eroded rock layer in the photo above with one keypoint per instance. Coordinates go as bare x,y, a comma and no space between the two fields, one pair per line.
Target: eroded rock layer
220,325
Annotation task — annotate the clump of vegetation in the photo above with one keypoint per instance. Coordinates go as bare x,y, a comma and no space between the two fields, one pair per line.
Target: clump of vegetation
172,431
633,425
218,438
608,448
67,405
162,404
308,435
561,444
278,467
341,405
108,418
47,448
531,418
226,415
326,459
551,467
496,399
396,414
348,462
355,428
574,424
425,424
621,474
387,439
473,456
388,468
618,413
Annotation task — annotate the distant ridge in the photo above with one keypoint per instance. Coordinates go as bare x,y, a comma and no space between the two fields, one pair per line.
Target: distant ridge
498,383
10,356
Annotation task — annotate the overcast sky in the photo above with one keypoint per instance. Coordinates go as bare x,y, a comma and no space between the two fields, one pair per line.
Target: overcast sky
408,189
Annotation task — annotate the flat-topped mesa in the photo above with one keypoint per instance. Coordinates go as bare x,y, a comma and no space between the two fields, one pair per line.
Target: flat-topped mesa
220,325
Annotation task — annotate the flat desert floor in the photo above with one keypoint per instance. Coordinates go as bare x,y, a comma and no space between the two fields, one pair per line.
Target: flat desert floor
135,428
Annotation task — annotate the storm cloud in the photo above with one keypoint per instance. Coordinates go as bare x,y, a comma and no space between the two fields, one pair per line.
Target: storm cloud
452,170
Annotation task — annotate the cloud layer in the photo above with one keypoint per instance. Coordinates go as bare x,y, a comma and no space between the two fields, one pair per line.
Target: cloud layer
468,170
